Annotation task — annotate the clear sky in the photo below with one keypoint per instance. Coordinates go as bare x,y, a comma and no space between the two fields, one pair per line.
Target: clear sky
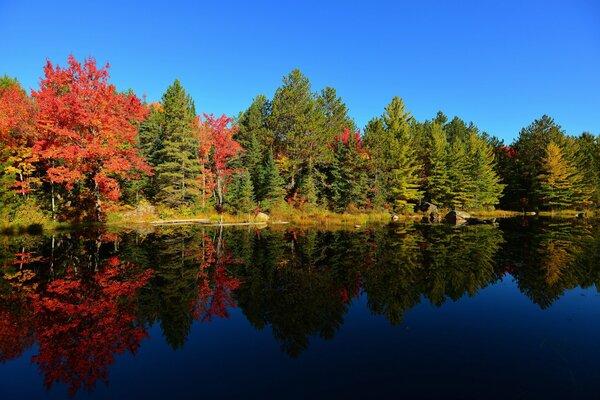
500,64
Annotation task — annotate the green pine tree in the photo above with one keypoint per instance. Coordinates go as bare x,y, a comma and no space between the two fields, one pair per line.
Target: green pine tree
240,196
458,175
438,184
349,173
485,185
176,157
272,187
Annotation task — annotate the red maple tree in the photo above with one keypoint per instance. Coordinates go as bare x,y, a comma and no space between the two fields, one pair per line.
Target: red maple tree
86,131
17,112
81,324
217,148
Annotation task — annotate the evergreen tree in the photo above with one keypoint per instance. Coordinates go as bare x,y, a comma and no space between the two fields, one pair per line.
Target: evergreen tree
374,139
240,196
252,160
252,125
530,150
272,187
438,184
458,175
349,174
298,125
177,166
402,164
588,163
308,187
485,185
558,179
335,113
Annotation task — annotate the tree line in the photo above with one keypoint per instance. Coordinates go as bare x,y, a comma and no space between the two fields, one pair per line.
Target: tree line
76,148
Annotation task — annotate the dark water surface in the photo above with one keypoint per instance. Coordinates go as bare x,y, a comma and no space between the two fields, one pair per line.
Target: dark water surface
390,312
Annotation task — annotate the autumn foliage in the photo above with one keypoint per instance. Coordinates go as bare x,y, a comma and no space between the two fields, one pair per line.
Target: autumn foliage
78,350
86,131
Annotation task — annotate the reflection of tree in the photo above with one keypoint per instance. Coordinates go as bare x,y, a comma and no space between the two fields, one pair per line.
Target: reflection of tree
550,257
83,322
16,327
437,262
392,284
192,280
300,284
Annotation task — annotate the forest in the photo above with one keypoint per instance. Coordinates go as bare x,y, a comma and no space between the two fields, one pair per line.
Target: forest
77,149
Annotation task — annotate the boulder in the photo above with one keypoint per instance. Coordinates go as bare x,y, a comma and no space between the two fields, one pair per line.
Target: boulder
261,217
457,217
426,207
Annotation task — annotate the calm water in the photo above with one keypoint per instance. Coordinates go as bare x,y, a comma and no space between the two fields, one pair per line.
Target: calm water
404,312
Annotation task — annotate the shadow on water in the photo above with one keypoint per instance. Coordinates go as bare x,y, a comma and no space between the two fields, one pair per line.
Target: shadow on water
86,296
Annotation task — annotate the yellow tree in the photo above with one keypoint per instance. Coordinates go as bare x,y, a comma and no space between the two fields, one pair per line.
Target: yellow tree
559,181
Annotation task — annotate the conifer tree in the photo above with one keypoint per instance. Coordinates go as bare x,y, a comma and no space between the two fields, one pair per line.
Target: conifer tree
335,112
438,184
485,185
458,175
298,125
252,124
402,166
558,179
374,139
177,166
349,177
240,196
308,187
272,187
588,163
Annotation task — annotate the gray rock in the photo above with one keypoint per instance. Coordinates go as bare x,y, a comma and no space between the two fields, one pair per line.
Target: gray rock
457,217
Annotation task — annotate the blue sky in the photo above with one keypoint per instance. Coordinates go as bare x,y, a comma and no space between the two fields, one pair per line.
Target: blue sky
500,64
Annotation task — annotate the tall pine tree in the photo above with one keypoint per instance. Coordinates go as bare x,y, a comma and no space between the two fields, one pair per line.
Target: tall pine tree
176,158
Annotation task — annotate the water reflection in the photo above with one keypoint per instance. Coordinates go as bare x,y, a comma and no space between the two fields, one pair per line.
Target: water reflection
85,297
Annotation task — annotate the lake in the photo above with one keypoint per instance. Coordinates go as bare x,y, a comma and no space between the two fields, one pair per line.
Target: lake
408,311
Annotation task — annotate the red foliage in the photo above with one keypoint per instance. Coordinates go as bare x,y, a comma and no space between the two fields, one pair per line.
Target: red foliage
82,324
85,129
215,285
16,113
349,138
217,148
509,151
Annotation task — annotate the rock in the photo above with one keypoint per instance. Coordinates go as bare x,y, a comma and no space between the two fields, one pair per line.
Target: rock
395,218
357,226
457,217
261,217
426,207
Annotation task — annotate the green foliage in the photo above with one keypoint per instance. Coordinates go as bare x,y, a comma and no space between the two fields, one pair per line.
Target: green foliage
485,185
308,187
558,181
349,172
252,125
240,196
438,188
173,148
272,187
